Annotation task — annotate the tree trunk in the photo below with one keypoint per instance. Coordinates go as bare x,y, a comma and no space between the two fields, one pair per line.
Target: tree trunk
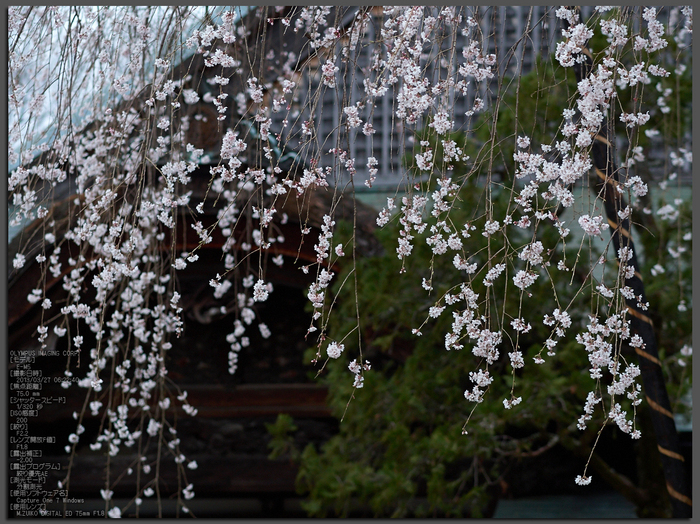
653,380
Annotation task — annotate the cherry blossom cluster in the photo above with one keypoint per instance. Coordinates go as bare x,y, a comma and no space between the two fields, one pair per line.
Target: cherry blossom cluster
411,220
604,352
133,171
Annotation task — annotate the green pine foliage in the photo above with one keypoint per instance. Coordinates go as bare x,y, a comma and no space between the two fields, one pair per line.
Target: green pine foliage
400,450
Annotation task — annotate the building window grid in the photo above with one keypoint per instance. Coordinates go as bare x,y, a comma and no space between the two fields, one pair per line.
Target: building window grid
498,34
500,27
